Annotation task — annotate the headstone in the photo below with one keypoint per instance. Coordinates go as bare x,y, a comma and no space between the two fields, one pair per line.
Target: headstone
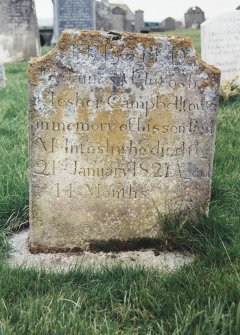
194,17
119,19
103,16
139,21
2,76
19,37
168,24
122,131
73,14
123,19
220,44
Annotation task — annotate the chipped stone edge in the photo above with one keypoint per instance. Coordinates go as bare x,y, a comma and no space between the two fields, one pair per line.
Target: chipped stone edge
145,40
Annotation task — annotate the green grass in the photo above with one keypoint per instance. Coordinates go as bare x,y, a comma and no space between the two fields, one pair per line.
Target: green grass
13,148
200,299
193,33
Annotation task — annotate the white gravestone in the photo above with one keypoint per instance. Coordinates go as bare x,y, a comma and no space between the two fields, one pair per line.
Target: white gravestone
220,43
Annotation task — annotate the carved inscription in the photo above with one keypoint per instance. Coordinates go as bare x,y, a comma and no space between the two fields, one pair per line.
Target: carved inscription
220,40
122,129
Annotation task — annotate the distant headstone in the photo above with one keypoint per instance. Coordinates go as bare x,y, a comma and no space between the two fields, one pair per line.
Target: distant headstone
119,18
103,16
2,76
194,17
168,24
220,44
139,21
73,14
122,131
19,37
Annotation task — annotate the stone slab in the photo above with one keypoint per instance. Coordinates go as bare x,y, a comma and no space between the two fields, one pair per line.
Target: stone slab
151,258
19,37
122,131
73,14
220,44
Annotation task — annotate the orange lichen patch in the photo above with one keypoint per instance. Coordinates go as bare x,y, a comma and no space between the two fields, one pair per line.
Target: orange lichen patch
207,83
132,40
33,73
181,42
111,40
210,69
38,66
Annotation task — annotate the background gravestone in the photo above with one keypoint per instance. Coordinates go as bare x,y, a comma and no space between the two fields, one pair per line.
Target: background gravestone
2,76
103,16
19,38
194,17
69,14
139,21
122,131
220,44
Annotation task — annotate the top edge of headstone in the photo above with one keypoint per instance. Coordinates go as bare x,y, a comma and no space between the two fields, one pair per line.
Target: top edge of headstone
218,17
73,36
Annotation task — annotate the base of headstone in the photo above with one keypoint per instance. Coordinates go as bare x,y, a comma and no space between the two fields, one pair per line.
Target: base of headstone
147,258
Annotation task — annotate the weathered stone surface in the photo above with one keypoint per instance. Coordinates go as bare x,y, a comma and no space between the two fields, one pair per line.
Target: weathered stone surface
122,131
19,38
2,76
73,14
220,44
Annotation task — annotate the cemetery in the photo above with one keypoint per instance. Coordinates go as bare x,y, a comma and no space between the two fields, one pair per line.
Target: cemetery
120,176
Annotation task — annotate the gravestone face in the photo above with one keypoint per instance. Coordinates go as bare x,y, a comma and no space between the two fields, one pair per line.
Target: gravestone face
19,37
73,14
122,131
220,44
2,76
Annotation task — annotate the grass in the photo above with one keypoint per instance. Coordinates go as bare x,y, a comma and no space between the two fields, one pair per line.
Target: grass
13,148
201,298
193,33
